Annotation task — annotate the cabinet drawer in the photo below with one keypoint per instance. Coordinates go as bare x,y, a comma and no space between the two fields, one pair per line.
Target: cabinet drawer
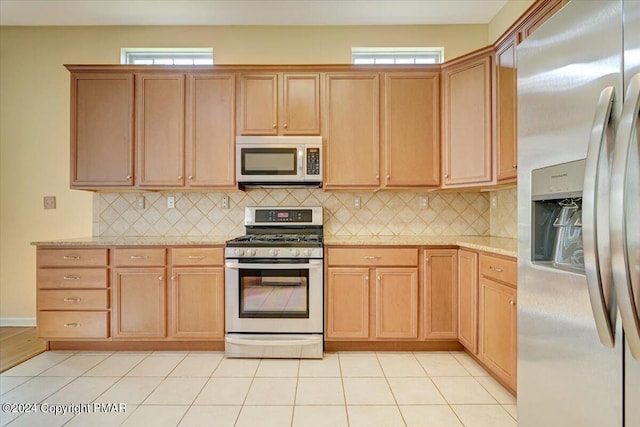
501,269
70,299
73,324
373,256
197,256
139,257
72,257
73,278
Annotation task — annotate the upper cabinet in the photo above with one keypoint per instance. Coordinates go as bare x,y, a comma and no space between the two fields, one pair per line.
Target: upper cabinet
210,130
279,104
160,130
352,135
181,132
101,130
467,111
411,130
506,110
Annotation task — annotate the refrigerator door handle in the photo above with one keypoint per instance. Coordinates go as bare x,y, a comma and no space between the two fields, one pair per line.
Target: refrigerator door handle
625,274
589,218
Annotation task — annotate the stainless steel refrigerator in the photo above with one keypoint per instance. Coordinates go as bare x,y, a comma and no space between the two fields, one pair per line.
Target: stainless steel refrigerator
579,218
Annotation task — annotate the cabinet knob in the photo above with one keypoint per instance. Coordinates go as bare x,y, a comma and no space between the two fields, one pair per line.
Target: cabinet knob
389,177
379,278
426,259
496,269
514,166
128,176
190,176
377,176
179,177
273,126
285,125
366,278
512,302
160,278
446,175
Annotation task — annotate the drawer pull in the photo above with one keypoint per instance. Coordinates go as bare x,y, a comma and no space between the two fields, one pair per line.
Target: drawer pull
496,269
72,325
372,258
139,257
512,302
197,257
72,299
71,257
71,278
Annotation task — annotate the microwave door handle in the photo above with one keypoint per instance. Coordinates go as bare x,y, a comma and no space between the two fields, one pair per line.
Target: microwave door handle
590,200
313,264
626,274
301,161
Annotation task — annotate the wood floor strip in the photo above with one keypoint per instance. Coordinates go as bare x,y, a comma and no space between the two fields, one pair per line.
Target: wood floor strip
18,344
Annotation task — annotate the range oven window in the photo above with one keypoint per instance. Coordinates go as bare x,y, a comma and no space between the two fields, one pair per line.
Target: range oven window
269,161
274,293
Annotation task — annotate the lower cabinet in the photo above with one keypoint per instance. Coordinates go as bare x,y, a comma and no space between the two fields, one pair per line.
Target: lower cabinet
440,293
197,302
371,293
131,293
497,314
468,299
139,303
347,303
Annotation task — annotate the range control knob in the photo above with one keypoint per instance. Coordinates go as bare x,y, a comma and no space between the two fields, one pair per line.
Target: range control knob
308,252
273,252
295,252
239,252
252,252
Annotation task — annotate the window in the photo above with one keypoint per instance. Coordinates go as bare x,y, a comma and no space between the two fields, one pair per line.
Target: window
396,55
162,56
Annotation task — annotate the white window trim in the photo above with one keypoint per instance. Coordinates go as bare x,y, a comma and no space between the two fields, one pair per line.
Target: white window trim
169,53
397,55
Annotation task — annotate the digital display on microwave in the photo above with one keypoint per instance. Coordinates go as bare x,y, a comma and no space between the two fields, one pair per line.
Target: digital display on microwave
269,161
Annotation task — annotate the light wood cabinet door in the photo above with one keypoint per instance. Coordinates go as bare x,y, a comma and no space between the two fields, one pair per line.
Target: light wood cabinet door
468,299
101,130
160,129
300,104
259,104
139,303
347,303
440,294
466,127
411,130
506,110
352,146
396,299
210,137
498,330
197,302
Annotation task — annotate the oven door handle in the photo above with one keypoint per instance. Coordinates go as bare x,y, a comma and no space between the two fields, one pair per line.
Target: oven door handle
302,266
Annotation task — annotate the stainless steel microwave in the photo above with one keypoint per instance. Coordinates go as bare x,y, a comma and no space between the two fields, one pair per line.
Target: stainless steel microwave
266,161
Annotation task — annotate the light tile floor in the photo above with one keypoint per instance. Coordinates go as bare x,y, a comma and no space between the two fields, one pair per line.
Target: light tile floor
440,389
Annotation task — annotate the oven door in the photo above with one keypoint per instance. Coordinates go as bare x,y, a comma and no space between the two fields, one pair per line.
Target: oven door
279,295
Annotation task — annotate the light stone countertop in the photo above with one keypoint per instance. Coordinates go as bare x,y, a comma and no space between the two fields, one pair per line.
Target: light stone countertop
497,245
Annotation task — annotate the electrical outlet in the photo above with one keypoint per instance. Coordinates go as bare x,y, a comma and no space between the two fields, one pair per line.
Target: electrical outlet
225,202
494,201
356,202
49,202
140,202
171,202
424,202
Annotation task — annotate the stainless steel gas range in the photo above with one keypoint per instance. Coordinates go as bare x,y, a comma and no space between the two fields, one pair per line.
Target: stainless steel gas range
274,285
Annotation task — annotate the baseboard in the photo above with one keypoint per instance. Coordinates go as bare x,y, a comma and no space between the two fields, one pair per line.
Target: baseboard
17,321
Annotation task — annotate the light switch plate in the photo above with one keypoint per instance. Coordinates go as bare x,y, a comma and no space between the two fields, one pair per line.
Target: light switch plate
171,202
225,202
494,201
140,202
424,202
49,202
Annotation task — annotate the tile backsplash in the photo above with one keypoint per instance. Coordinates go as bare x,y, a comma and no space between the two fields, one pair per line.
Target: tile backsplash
381,213
504,218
